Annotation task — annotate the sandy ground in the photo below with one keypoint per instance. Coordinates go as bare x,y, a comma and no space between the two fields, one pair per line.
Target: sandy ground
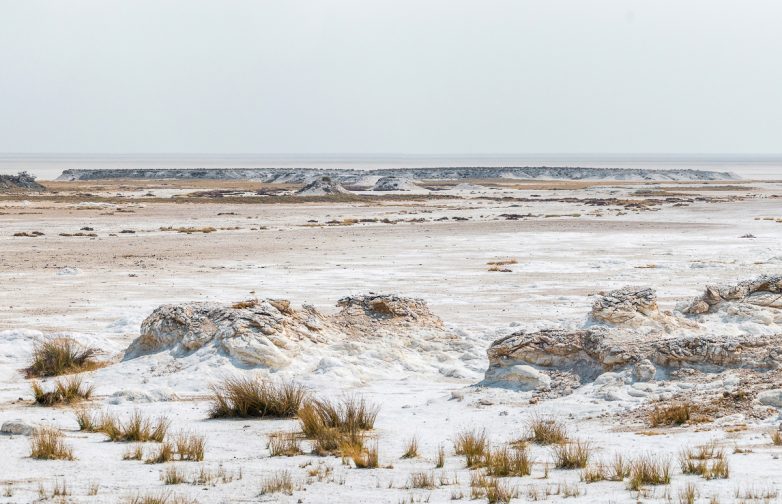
99,289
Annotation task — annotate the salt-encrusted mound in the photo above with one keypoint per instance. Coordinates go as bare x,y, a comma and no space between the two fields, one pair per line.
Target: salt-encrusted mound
765,291
739,329
394,184
22,182
322,186
371,334
267,332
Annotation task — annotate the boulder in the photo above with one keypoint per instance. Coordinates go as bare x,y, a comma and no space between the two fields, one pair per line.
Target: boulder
17,428
644,371
322,186
764,291
522,376
628,305
771,398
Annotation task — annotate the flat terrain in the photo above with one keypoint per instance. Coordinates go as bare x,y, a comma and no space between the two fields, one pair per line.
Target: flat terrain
110,252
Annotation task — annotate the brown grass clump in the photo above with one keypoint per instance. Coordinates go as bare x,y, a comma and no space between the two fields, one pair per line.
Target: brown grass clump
506,461
135,452
547,431
422,479
572,455
412,449
332,424
494,490
706,461
247,303
253,397
172,475
47,443
440,459
66,391
362,457
688,494
165,453
136,429
161,498
674,414
776,437
284,444
190,446
649,470
473,445
59,356
279,482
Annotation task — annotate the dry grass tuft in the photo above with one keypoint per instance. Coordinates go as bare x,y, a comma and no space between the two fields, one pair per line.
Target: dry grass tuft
165,453
161,498
47,443
422,479
332,424
776,437
66,391
279,482
190,446
137,429
649,470
135,452
284,444
172,475
572,455
546,431
247,303
440,459
411,451
59,356
494,490
362,457
254,397
507,461
473,445
674,414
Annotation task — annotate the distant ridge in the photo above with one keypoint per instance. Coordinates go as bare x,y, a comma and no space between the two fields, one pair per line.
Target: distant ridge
352,176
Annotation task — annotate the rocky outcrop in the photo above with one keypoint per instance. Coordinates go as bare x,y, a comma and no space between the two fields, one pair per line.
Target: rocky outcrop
322,186
301,175
627,305
22,182
765,291
272,333
394,184
626,332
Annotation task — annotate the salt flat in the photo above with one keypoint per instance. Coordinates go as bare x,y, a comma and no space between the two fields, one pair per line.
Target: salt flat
562,243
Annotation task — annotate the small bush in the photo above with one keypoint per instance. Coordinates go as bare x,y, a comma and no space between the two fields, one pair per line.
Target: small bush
572,455
66,391
649,470
252,397
547,431
279,482
473,445
47,443
59,356
412,449
284,444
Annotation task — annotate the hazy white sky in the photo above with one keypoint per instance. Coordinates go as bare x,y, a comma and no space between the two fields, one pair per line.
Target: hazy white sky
397,76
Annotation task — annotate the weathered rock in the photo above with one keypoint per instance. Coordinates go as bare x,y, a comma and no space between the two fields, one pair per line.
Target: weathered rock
22,182
770,398
17,428
522,376
322,186
765,291
644,371
394,184
626,306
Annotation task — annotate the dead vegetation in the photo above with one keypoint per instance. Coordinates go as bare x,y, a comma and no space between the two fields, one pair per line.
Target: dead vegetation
284,444
137,428
158,498
254,397
58,356
411,451
190,230
572,455
649,470
473,445
506,461
678,413
707,461
279,482
336,424
48,443
66,391
547,431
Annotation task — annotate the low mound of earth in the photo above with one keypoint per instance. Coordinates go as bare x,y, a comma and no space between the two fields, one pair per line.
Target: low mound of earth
629,349
322,186
370,334
394,184
22,182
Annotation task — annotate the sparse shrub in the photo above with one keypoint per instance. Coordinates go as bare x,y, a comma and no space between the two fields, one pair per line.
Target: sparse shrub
137,429
507,462
497,491
547,431
284,444
66,391
620,469
572,455
86,420
649,470
172,475
706,461
253,397
594,473
412,449
279,482
59,356
674,414
362,457
472,444
776,437
349,414
47,443
160,498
